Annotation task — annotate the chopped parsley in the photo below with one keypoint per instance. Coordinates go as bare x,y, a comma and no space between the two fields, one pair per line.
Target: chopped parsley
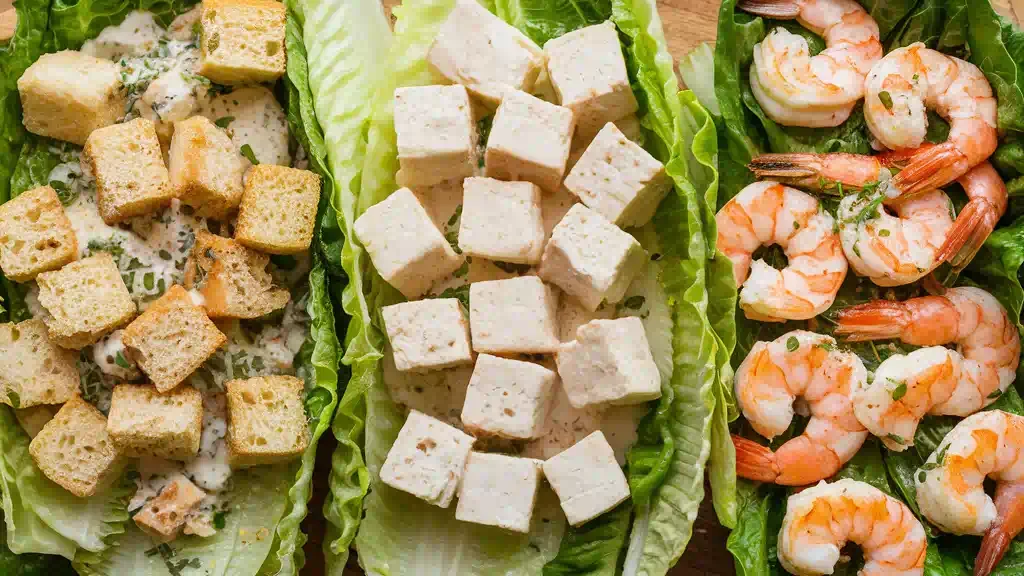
223,121
899,391
792,344
886,99
249,154
120,360
896,438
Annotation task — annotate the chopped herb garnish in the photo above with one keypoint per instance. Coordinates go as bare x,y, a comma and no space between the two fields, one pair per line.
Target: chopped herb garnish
149,280
512,267
218,520
826,346
455,217
249,154
792,344
899,391
884,233
634,302
995,394
223,121
886,99
896,438
120,360
921,476
461,293
165,255
463,270
796,225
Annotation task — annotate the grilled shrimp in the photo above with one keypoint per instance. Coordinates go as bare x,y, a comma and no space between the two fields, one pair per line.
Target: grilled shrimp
797,89
766,213
950,488
819,521
771,378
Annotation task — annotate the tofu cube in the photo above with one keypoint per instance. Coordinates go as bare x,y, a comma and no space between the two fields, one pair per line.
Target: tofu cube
499,490
514,316
508,398
35,235
144,422
232,279
266,420
428,334
529,141
242,41
84,300
436,134
33,369
502,221
609,362
618,179
427,459
495,57
67,95
278,209
590,258
131,179
587,479
405,246
163,517
588,73
205,167
75,451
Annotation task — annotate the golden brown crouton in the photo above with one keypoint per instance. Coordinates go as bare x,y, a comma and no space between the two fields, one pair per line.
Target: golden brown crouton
242,41
233,279
278,209
266,420
35,235
163,516
34,370
75,451
206,168
144,422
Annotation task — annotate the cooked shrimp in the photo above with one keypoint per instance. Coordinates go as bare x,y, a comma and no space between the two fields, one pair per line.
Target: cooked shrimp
771,378
767,213
797,89
950,489
819,521
987,200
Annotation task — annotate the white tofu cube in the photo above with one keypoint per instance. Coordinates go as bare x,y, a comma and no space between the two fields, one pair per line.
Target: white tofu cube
427,459
609,362
499,490
587,479
514,316
428,334
407,249
502,221
436,134
508,398
591,259
572,315
589,76
494,57
619,179
529,141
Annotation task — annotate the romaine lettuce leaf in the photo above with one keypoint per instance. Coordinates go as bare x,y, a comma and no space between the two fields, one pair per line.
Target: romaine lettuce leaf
72,22
26,564
997,47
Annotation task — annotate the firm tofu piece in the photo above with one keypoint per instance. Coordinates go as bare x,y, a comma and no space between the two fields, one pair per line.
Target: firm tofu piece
405,246
145,422
278,209
514,316
502,221
266,420
33,369
499,490
242,41
436,135
428,334
68,94
588,73
163,517
75,451
131,178
609,362
619,179
205,168
587,479
529,141
508,398
590,258
494,58
427,459
33,419
572,315
35,235
84,301
232,279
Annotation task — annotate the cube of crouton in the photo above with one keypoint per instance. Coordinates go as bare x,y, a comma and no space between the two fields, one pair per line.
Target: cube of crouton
34,370
205,168
429,334
242,41
427,459
529,140
144,422
84,300
35,235
436,134
514,316
164,516
501,220
171,339
67,95
131,179
266,420
232,279
278,209
33,419
75,451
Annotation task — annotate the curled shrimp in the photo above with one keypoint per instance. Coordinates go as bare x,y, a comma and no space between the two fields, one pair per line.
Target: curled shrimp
987,199
797,89
771,378
950,489
766,213
819,521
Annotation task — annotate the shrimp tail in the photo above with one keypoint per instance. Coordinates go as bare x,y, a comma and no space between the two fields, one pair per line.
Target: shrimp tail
973,226
828,173
754,461
930,168
778,9
877,320
1009,500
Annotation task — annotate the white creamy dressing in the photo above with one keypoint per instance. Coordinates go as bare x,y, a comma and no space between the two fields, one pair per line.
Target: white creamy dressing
252,116
209,469
108,354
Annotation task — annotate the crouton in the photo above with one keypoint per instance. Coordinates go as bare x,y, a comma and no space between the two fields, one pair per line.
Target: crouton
233,279
33,419
35,235
75,451
84,300
171,339
131,179
242,41
144,422
164,516
278,209
266,420
34,370
205,168
67,95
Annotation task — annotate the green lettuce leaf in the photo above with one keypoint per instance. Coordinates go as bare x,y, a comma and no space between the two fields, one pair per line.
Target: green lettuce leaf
72,22
997,47
749,540
543,20
12,564
888,13
595,548
938,24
